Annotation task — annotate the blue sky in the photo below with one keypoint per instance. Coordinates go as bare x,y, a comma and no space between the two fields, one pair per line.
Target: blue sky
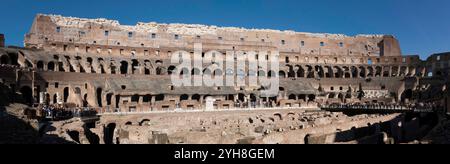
422,26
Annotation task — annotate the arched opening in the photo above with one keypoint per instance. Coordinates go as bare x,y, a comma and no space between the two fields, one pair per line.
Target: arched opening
272,74
292,97
331,95
230,98
40,65
291,72
196,97
311,97
144,122
109,133
362,72
310,73
147,98
135,98
129,123
206,72
99,96
195,72
159,97
51,66
278,116
378,71
261,73
282,74
85,102
341,96
300,71
109,97
55,99
386,71
171,70
185,72
134,66
338,73
123,67
241,97
320,71
159,71
329,72
354,71
4,59
218,72
184,97
27,95
66,94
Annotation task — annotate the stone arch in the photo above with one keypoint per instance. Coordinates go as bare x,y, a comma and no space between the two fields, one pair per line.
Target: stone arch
40,65
147,98
354,71
184,97
320,71
291,73
144,122
261,73
196,97
134,66
329,72
347,72
300,71
331,95
394,71
282,74
172,69
207,71
362,72
4,59
338,73
66,94
185,72
403,71
386,71
292,97
109,97
51,66
123,67
195,72
271,74
378,71
310,72
411,71
159,97
218,72
135,98
99,93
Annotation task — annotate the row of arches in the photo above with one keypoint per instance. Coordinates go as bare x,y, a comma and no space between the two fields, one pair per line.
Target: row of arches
289,71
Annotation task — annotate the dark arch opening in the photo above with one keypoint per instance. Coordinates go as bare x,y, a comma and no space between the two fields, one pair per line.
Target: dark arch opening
184,97
99,97
123,67
159,97
4,59
109,133
66,94
144,122
135,98
40,65
51,66
196,97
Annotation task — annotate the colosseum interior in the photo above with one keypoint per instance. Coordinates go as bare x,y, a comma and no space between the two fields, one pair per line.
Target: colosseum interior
123,74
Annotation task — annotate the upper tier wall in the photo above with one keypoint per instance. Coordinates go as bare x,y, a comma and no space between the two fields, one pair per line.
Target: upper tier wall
48,29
